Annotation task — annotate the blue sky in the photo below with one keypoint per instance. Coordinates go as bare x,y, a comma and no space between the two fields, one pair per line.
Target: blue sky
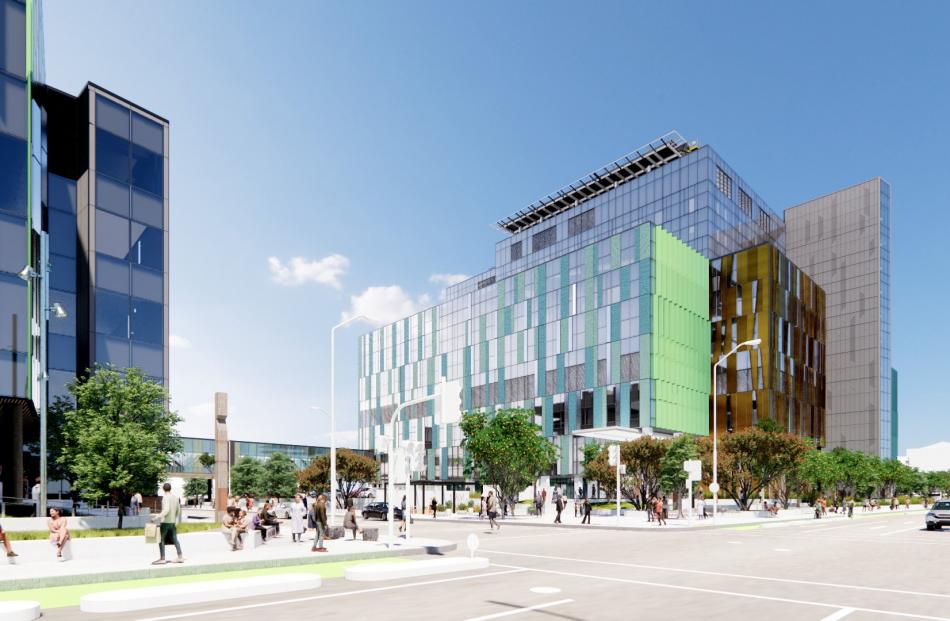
378,142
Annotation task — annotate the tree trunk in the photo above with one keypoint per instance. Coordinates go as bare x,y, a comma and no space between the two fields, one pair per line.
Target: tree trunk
121,513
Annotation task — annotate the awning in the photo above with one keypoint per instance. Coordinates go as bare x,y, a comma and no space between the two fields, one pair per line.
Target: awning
24,405
620,434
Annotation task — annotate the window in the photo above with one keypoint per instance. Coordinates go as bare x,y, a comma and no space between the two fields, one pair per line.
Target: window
147,321
65,326
112,117
13,102
112,196
724,182
147,208
763,220
62,232
62,273
486,282
62,352
112,351
112,274
112,314
13,236
61,193
147,133
147,170
543,239
13,33
112,235
112,155
147,284
580,223
13,175
745,203
516,251
147,248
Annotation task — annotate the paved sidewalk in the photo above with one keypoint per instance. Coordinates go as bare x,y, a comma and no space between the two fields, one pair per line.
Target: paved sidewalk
127,558
637,520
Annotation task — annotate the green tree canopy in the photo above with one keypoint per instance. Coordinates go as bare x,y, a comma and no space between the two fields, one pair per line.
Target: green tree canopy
507,449
196,488
643,458
354,473
672,475
118,438
206,461
280,476
247,477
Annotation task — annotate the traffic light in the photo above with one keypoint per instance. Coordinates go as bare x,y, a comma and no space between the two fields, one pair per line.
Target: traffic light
449,408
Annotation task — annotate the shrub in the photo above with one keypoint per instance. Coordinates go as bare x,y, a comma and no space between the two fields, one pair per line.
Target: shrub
474,495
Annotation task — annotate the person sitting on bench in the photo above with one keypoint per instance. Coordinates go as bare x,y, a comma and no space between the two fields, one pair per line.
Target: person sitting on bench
269,518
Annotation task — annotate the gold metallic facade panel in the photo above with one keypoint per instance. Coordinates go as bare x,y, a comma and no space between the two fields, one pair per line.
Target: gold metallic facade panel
759,293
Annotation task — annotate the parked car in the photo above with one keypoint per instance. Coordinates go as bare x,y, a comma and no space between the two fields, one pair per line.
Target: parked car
380,510
938,516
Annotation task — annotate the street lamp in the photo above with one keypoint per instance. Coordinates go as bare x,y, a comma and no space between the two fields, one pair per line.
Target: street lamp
714,488
28,274
333,330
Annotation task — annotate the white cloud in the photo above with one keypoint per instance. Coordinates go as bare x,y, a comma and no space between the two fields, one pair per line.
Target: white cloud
179,342
198,410
385,304
448,279
344,439
299,270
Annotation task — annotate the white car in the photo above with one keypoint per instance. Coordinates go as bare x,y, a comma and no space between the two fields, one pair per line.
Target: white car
938,516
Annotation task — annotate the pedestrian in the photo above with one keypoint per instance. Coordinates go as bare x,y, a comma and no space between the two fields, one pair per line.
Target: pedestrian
405,514
319,513
58,532
867,505
6,544
893,502
492,510
658,509
168,529
349,522
297,512
35,495
851,507
906,503
136,503
558,506
482,509
586,508
544,499
233,529
701,507
651,512
537,502
269,517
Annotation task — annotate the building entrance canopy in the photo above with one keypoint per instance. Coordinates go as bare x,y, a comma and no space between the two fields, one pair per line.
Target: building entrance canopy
618,434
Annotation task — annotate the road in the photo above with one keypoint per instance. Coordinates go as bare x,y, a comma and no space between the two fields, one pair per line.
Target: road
883,566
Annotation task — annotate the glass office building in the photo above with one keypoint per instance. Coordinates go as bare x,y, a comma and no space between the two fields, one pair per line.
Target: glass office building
186,462
595,315
84,182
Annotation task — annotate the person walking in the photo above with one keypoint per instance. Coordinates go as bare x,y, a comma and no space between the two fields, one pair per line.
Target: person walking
850,507
136,503
349,522
298,511
577,498
405,515
586,510
482,509
558,506
658,510
544,499
58,532
701,507
35,495
433,505
319,513
492,510
537,502
168,529
6,544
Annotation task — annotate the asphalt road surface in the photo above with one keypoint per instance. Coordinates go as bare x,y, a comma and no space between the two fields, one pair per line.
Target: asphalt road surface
880,567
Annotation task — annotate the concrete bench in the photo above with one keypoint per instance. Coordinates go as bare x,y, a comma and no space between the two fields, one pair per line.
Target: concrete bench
413,569
188,593
19,610
370,534
252,538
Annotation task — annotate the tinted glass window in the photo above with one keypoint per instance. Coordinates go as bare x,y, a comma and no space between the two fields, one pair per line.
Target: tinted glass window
147,284
57,384
13,175
112,155
66,325
62,232
13,234
112,196
113,117
942,506
61,193
62,273
148,358
12,314
13,106
147,133
61,352
147,170
112,351
147,247
12,374
112,314
112,234
112,274
147,208
147,321
13,38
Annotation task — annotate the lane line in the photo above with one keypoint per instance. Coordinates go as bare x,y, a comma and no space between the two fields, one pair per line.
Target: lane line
903,530
185,615
877,527
719,573
511,613
841,614
679,587
782,550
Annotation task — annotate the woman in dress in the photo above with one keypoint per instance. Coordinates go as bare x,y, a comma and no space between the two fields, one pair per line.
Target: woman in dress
297,513
58,533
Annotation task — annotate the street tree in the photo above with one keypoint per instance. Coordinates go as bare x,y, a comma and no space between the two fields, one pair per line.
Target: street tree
247,477
751,459
196,489
118,438
672,475
206,461
506,449
354,474
895,477
280,476
856,474
643,458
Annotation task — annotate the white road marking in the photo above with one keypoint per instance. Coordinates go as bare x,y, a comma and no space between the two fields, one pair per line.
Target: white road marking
877,527
542,590
679,587
903,530
719,573
509,613
841,614
782,550
909,522
394,587
738,543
